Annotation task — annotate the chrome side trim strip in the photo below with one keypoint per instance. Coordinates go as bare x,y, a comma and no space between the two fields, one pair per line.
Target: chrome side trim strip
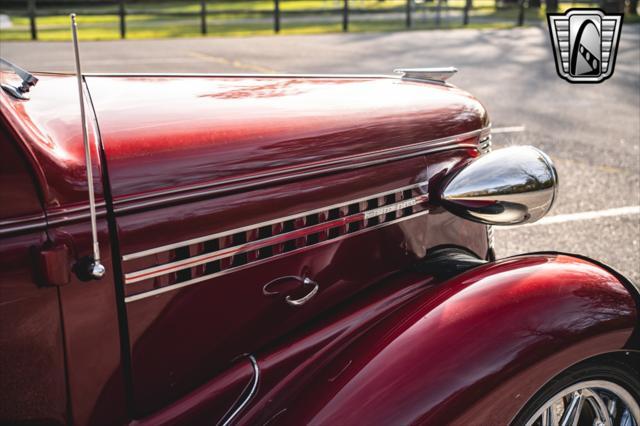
24,226
60,218
23,223
191,262
303,171
252,391
259,262
266,223
74,209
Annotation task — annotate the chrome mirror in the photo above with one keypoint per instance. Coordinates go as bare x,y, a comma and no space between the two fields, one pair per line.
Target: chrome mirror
508,186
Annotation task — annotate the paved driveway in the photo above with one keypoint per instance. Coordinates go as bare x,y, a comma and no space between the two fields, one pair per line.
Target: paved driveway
591,131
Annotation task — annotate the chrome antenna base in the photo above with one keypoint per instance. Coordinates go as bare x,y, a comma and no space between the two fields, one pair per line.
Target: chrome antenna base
89,269
96,270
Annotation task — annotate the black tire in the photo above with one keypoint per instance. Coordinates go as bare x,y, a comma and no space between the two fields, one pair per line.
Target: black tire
621,369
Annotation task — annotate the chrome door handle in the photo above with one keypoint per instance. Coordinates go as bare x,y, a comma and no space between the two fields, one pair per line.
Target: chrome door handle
304,299
293,302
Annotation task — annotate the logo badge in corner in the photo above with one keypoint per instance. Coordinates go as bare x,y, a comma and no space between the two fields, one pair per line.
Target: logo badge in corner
585,43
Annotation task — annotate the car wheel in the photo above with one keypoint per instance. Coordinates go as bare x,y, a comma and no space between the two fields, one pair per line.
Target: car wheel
605,392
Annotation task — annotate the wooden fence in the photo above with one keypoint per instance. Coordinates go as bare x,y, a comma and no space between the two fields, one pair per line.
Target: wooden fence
34,9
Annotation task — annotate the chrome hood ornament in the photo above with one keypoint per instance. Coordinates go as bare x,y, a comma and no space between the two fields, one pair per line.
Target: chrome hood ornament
426,74
510,186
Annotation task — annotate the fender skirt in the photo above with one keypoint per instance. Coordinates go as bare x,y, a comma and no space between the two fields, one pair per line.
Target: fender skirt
470,350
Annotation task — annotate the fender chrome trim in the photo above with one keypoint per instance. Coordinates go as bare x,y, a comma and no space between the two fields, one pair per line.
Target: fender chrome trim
253,387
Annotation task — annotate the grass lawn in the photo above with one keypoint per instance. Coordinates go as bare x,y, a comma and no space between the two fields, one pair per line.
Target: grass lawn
255,17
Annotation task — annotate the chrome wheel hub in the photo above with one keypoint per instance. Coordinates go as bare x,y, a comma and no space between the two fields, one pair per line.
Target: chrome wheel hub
589,403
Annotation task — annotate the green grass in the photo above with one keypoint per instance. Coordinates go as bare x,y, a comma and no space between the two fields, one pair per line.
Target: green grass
251,17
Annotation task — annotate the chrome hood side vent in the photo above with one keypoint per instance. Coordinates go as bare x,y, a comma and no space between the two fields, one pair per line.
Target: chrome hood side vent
201,259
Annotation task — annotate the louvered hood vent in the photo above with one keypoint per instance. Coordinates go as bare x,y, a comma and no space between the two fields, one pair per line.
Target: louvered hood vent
204,258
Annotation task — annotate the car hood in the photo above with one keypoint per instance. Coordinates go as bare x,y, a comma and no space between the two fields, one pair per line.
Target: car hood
169,137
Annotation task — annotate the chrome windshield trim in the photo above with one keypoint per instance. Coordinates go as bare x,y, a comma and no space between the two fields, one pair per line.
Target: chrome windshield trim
197,240
202,278
252,391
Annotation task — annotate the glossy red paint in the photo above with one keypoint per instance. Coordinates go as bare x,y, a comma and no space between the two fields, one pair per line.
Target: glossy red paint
19,199
95,371
208,403
48,130
468,351
166,137
193,156
32,370
60,345
32,366
173,321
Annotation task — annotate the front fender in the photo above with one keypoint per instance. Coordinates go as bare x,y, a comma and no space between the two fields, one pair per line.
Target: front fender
475,350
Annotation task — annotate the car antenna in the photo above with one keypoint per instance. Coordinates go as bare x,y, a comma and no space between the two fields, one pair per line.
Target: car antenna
95,269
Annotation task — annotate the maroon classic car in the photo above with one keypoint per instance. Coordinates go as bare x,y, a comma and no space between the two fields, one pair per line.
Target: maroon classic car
286,249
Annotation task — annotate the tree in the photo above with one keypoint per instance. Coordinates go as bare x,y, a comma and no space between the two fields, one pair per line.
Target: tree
612,6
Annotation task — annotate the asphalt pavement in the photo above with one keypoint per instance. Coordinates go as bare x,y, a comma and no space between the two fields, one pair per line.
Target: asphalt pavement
592,132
